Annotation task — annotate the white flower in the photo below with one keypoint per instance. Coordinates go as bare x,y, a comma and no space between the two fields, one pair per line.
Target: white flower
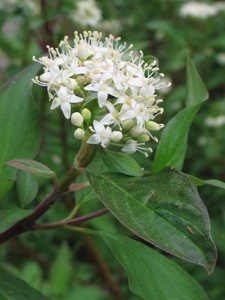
112,117
101,136
103,91
133,146
198,10
215,122
137,111
113,88
87,13
64,99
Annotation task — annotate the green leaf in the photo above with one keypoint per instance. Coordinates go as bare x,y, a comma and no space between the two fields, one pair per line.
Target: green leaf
20,130
12,214
12,288
60,271
213,182
6,185
196,90
27,188
33,167
164,209
120,162
151,275
173,143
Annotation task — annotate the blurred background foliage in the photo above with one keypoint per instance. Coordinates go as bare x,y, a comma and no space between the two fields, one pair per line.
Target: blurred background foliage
68,265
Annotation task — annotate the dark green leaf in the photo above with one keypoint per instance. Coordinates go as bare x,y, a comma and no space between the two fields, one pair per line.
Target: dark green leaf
213,182
27,188
60,271
164,209
152,275
6,184
196,91
33,167
12,288
20,132
12,214
120,162
173,142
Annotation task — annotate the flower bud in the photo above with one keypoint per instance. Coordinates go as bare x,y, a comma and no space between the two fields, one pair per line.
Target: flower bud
71,83
127,124
153,126
79,134
86,114
77,119
116,136
136,131
143,138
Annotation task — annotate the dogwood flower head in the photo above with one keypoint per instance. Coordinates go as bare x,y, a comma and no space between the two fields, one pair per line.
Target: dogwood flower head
109,90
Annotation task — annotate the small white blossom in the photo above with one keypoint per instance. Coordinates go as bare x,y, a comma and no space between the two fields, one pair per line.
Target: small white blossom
87,13
215,122
198,10
101,136
103,91
133,146
64,99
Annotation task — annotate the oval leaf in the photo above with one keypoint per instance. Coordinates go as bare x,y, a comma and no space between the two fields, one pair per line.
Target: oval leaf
120,162
33,167
151,275
164,209
16,289
27,188
20,128
11,214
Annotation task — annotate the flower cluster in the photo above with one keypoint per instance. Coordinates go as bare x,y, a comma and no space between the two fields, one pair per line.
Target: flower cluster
197,10
87,13
109,90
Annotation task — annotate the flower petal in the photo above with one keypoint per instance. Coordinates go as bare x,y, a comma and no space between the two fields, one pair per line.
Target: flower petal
66,109
94,139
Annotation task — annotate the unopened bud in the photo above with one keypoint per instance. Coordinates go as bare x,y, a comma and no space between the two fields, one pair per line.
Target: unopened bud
79,134
136,131
71,83
116,136
77,119
153,126
143,138
86,114
127,124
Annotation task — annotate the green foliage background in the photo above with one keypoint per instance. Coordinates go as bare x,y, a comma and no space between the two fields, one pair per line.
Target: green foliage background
157,28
